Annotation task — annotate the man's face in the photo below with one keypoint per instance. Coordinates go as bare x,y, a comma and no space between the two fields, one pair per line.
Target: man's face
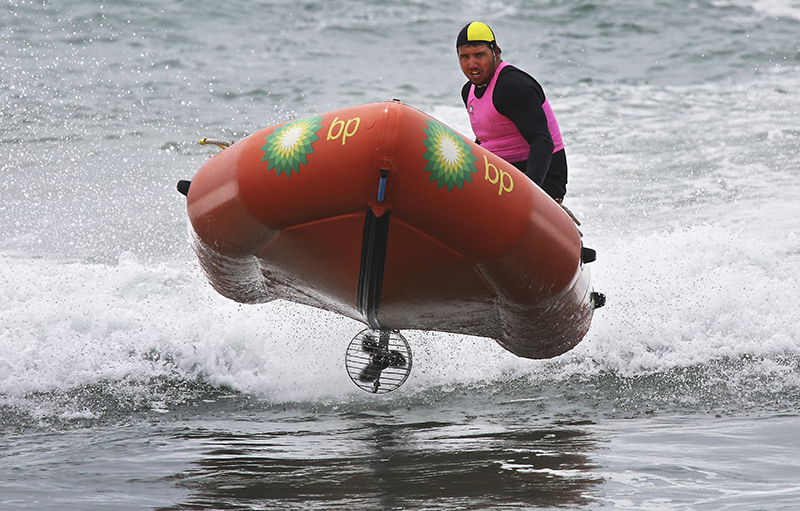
478,62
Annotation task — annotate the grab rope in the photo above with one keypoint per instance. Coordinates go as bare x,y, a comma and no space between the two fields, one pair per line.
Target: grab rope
573,217
568,212
219,143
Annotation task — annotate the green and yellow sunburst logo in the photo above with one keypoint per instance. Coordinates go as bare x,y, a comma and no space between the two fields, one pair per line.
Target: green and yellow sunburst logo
450,159
287,147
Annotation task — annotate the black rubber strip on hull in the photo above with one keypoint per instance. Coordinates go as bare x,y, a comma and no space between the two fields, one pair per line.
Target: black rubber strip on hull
373,260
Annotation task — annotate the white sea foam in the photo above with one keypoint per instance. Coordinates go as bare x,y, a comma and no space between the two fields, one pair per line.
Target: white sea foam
771,8
689,296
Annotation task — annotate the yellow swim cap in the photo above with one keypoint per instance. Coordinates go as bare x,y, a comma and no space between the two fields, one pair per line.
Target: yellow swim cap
475,32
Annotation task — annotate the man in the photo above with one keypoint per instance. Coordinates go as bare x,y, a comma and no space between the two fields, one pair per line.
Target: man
509,112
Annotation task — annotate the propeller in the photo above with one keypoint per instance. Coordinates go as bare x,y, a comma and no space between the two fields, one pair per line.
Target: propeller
378,361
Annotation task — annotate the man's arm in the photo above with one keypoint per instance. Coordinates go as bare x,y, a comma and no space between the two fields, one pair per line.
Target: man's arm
519,97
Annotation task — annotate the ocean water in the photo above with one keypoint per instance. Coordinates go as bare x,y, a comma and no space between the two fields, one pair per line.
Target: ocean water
126,382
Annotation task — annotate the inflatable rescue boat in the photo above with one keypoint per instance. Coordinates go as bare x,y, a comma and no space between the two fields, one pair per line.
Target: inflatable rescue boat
385,215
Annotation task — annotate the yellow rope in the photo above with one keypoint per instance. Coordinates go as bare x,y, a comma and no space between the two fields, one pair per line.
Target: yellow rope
222,144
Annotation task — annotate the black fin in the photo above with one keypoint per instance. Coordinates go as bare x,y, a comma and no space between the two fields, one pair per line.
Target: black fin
183,186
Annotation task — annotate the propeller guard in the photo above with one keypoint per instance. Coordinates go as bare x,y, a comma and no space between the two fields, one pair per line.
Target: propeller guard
378,361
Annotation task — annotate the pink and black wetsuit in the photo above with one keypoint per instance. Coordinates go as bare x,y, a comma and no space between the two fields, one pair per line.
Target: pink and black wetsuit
512,118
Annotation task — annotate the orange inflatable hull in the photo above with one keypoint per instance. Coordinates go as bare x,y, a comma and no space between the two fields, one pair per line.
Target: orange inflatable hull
454,239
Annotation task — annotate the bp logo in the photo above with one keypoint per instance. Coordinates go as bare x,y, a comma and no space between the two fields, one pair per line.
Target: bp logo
450,159
287,147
